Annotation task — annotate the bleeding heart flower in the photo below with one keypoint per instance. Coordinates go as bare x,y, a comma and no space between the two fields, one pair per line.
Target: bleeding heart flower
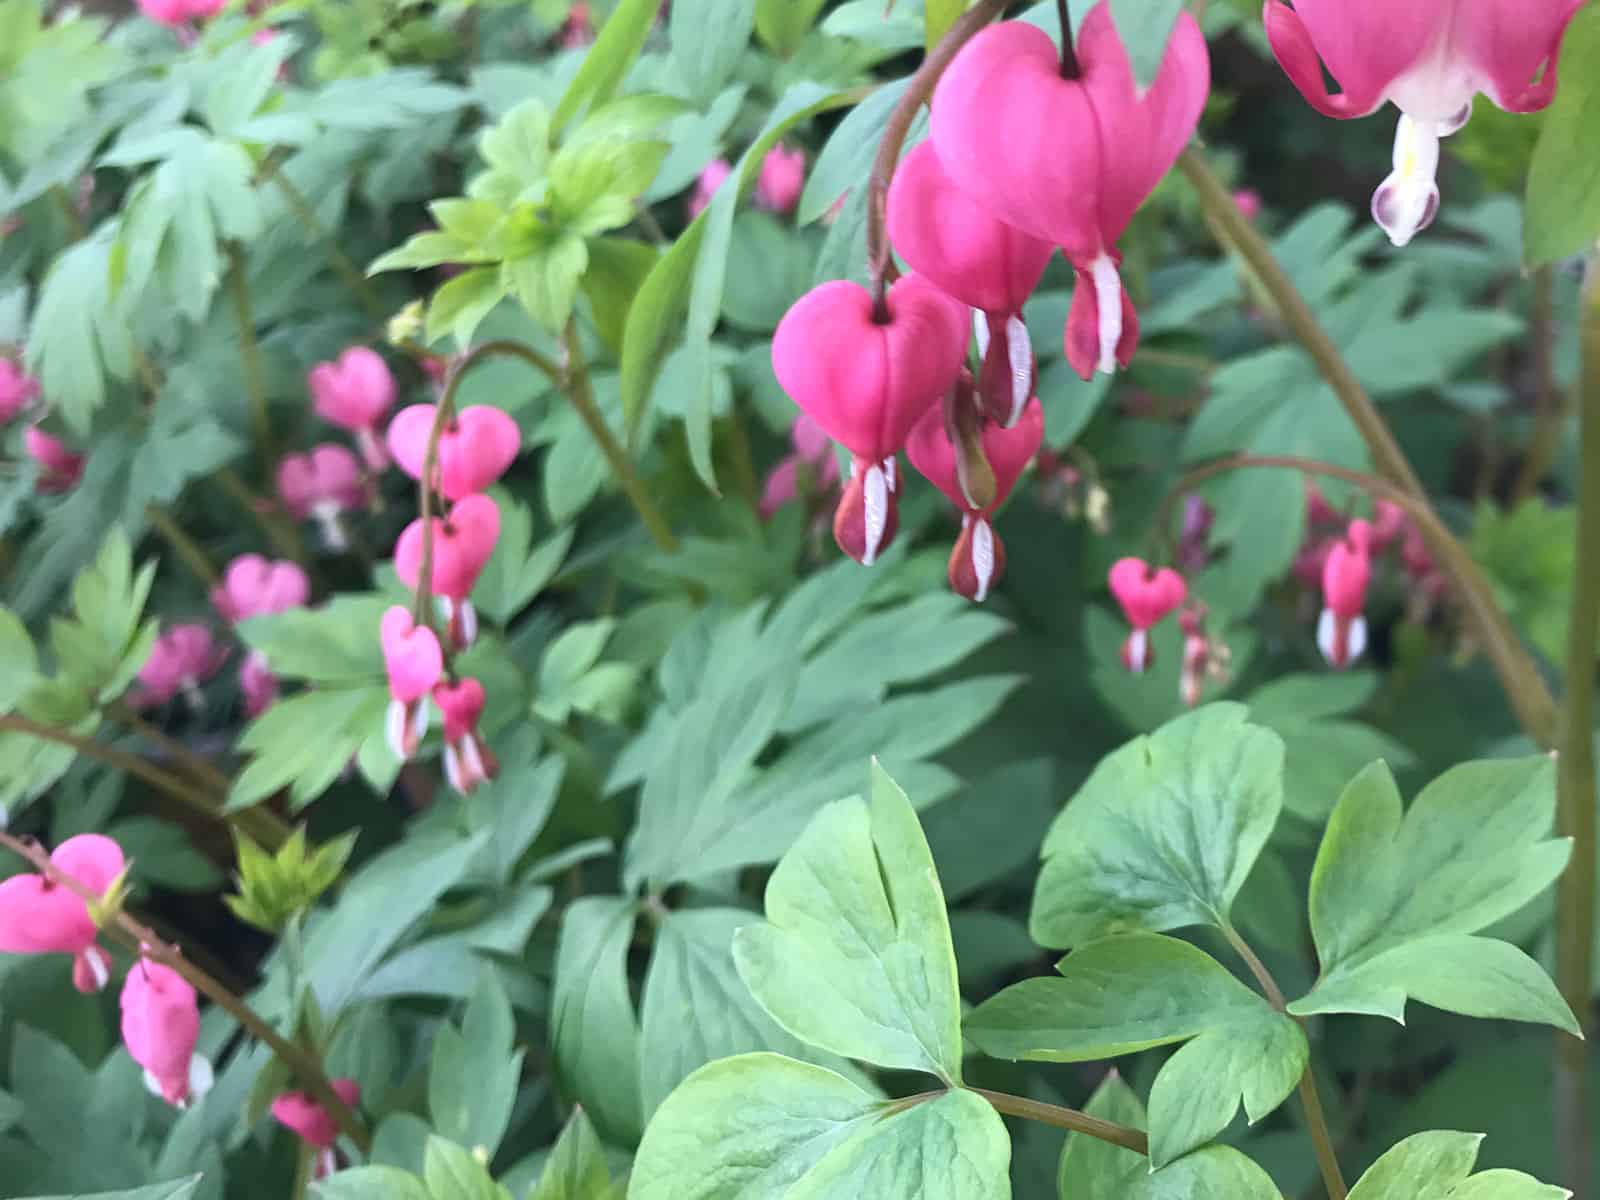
414,663
321,485
866,382
781,180
462,544
467,761
979,558
1070,160
475,448
314,1125
812,451
254,586
705,187
1430,57
182,658
257,684
355,392
1342,630
60,468
41,916
160,1027
1147,597
991,267
18,389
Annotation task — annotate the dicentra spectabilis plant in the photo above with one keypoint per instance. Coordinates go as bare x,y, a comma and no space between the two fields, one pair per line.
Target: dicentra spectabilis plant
443,755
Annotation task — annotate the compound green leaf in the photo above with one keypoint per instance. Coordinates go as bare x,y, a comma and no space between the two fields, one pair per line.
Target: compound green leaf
592,1025
1438,1166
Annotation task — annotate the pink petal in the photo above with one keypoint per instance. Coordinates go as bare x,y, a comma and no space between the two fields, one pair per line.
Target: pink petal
461,704
411,655
1008,452
408,437
1082,335
1365,46
161,1025
476,450
977,561
40,917
1510,42
1146,596
92,859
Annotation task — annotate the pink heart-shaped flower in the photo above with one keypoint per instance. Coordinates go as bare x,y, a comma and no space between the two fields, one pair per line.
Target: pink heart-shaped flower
328,475
411,655
1347,570
462,544
1008,452
1146,596
313,1124
865,383
461,703
160,1026
254,586
41,917
354,391
474,449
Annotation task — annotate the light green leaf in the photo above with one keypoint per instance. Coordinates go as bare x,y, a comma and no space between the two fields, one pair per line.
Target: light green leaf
594,184
371,1183
1164,833
1134,992
1215,1173
461,303
1092,1169
783,24
938,16
608,60
592,1026
453,1172
617,270
653,321
519,143
20,658
576,1169
1393,895
79,334
546,281
1438,1166
1564,181
329,644
708,40
856,957
304,741
847,155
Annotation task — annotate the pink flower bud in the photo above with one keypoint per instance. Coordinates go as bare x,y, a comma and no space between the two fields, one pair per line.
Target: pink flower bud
781,180
182,658
355,392
308,1120
475,448
706,186
253,586
1342,629
160,1027
1147,597
578,31
811,449
41,916
60,468
18,389
1248,202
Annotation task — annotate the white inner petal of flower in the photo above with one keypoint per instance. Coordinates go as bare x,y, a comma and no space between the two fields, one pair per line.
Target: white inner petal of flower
1020,348
980,331
1407,200
1108,302
875,504
982,558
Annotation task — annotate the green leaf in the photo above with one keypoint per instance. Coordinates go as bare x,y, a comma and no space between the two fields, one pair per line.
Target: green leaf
472,1081
592,1026
329,644
608,60
848,153
617,270
1530,554
371,1183
938,16
546,281
747,1128
1215,1173
519,144
1145,26
1164,832
303,743
178,1189
856,957
1093,1169
653,321
708,40
454,1173
1394,896
576,1168
594,184
22,661
79,334
1564,181
1137,991
1438,1166
783,24
460,304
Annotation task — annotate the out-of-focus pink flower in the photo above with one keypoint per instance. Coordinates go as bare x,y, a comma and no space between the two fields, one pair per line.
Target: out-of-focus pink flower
355,392
414,662
257,684
812,451
41,916
782,179
1342,629
578,30
467,761
706,186
182,658
476,446
1147,597
160,1028
60,468
18,389
313,1124
1248,202
177,12
254,586
462,544
322,484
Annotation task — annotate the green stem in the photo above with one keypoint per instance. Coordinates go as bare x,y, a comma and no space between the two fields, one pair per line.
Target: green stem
186,548
1316,1118
422,603
143,941
200,768
1575,772
255,380
1519,675
1066,1118
1549,414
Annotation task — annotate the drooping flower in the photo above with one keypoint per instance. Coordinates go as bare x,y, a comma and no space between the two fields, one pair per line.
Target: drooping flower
60,468
314,1125
462,544
705,187
414,663
160,1028
39,915
467,761
578,29
355,392
781,179
182,659
257,684
813,452
1430,57
18,389
866,382
1070,160
979,557
476,446
254,586
322,484
1342,629
1147,597
178,12
990,266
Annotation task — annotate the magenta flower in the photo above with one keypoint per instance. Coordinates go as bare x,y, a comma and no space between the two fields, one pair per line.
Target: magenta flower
41,916
706,186
314,1125
160,1028
355,392
812,451
1430,57
60,468
1077,156
979,557
414,663
462,544
991,267
182,658
18,389
1248,202
253,586
179,12
1147,597
866,382
781,179
467,761
257,684
1342,630
475,448
321,484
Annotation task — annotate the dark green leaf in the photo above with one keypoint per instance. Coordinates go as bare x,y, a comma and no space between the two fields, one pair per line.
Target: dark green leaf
1564,181
708,40
592,1026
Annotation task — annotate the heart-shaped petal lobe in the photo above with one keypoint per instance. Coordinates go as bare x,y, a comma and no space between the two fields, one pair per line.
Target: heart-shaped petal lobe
1007,451
1147,596
411,655
462,544
474,449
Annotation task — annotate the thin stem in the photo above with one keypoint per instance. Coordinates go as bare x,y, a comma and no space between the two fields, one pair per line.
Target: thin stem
350,274
580,392
1575,772
143,940
1066,1118
1069,54
255,380
1549,414
186,548
1524,687
443,415
194,764
918,92
1316,1118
